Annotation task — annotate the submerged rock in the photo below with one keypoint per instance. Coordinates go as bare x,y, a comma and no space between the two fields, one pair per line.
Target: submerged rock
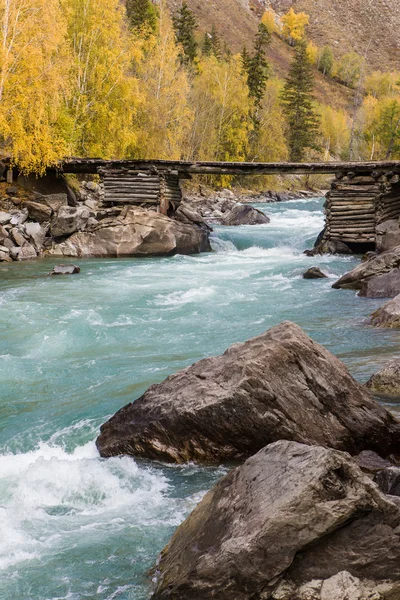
387,380
376,266
65,270
387,315
245,215
279,385
293,519
138,232
314,273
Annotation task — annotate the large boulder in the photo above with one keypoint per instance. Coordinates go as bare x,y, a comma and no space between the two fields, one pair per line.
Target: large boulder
387,315
284,524
387,235
244,215
387,380
137,233
279,385
38,212
382,286
68,220
373,267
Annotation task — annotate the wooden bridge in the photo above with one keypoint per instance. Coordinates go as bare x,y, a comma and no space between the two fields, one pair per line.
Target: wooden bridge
362,194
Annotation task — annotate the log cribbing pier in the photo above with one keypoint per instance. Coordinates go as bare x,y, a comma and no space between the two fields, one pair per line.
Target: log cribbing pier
362,194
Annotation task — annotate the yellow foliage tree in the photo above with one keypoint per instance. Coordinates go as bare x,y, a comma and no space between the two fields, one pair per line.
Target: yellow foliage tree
312,52
334,130
105,96
32,82
294,25
270,20
165,117
380,84
221,108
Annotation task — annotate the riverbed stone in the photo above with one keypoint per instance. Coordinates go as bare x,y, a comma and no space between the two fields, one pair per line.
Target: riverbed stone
387,315
18,237
38,212
387,380
135,232
36,234
279,385
374,267
56,201
314,273
243,214
65,270
4,218
386,285
27,252
291,514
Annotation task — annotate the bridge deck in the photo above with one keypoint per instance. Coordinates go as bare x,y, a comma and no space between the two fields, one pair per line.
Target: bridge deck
92,165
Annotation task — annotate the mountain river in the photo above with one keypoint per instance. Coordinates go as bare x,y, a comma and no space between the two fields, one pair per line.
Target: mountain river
75,349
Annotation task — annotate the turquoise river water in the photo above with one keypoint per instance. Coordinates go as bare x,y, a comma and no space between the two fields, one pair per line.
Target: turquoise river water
73,350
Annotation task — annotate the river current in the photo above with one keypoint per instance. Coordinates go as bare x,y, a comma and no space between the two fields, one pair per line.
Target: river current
75,349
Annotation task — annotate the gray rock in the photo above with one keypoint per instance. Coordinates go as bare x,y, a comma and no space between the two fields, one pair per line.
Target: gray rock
38,212
3,234
19,217
370,462
17,236
302,513
387,315
69,220
4,218
5,255
27,252
245,215
15,252
8,243
279,385
382,286
387,380
314,273
65,270
92,187
138,232
92,204
36,234
388,480
375,266
12,191
91,224
387,235
56,201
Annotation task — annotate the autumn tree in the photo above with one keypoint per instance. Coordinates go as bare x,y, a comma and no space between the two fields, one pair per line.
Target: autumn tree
270,20
34,79
221,110
298,104
142,14
185,25
164,117
349,69
294,26
386,127
334,134
105,97
326,61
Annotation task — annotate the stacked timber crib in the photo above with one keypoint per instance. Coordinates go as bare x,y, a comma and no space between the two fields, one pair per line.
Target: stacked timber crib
356,204
147,189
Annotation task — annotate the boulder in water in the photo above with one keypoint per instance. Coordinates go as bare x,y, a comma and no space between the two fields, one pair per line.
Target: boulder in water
314,273
138,232
387,380
387,315
279,385
244,215
374,267
293,518
65,270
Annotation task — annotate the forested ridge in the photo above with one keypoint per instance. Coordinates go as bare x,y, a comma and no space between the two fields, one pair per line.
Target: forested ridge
104,79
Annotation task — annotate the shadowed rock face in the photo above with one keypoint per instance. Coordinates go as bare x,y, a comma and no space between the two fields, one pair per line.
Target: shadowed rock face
279,385
377,277
137,233
290,515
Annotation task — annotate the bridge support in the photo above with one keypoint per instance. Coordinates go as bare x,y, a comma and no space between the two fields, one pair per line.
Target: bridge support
356,205
142,188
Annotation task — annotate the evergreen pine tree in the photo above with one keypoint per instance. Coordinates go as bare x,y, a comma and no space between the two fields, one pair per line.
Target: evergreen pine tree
298,107
141,14
206,48
258,67
185,25
245,59
215,43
